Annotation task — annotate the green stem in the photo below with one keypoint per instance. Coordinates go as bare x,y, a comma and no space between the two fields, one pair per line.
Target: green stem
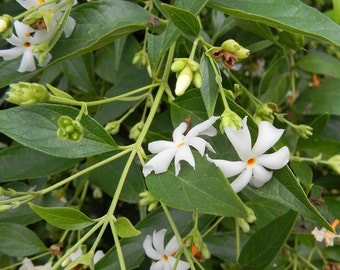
32,9
238,242
193,49
118,246
312,160
212,227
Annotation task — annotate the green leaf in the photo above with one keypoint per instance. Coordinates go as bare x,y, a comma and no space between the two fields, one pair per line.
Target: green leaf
36,127
20,162
319,100
98,23
183,19
17,240
291,16
303,173
320,63
265,244
209,88
125,228
189,190
59,93
65,218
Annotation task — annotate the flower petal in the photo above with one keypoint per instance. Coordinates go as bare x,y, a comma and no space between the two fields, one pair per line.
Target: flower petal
172,246
229,168
260,176
12,53
149,250
204,128
242,180
160,265
75,255
28,3
177,134
241,140
159,163
159,146
22,29
200,144
70,24
183,153
275,160
318,234
27,61
98,255
180,266
267,137
14,40
27,265
158,240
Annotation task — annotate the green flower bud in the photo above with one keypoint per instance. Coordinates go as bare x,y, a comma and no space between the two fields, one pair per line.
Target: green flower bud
230,45
230,119
136,130
244,225
6,25
178,64
250,215
140,58
183,81
69,129
25,94
194,66
6,207
113,127
334,163
97,193
197,80
304,131
242,53
265,113
149,200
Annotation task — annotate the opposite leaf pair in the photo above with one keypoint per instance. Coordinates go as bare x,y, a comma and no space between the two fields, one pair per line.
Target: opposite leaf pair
251,168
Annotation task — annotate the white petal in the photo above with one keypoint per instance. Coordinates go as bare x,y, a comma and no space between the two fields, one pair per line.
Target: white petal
260,176
158,240
275,160
159,163
318,234
40,36
329,240
14,40
241,140
27,265
98,255
47,266
75,255
158,265
267,137
183,153
70,24
149,250
22,29
172,246
199,144
242,180
12,53
180,266
229,168
27,62
28,3
46,61
177,135
159,146
204,128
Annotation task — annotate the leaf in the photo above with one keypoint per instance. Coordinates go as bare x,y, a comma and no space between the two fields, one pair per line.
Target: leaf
65,218
209,88
319,100
265,244
98,23
17,240
125,228
21,162
291,16
183,19
36,127
320,63
189,190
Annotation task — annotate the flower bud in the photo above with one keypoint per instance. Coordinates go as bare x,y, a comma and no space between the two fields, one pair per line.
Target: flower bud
113,127
136,130
140,58
230,45
197,80
334,163
6,25
69,129
244,225
25,94
250,215
194,66
304,131
97,193
178,64
242,53
6,207
265,113
230,119
148,199
183,81
198,248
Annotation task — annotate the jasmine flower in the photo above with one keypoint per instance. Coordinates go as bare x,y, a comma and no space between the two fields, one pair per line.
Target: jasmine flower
28,265
179,148
251,168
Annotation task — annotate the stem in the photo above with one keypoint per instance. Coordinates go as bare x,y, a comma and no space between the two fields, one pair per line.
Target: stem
237,236
193,49
118,246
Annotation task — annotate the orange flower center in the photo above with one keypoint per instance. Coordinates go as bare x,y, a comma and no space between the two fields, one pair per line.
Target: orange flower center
165,258
41,1
180,144
27,44
251,161
334,225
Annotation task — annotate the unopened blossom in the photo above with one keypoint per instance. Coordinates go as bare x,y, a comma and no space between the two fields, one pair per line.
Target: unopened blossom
24,42
79,252
252,166
325,235
28,265
179,148
165,257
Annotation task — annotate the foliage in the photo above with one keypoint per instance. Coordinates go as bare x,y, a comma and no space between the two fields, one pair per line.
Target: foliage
76,132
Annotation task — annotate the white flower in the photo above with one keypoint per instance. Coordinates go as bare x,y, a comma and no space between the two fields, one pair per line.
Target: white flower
24,42
28,265
180,147
251,168
325,235
79,252
70,24
165,257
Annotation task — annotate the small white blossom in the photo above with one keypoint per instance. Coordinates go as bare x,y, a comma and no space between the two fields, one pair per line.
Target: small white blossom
251,168
179,148
165,257
28,265
24,43
79,252
325,235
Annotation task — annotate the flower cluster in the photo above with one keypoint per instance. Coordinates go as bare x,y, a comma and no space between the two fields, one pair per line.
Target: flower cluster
31,37
325,235
250,169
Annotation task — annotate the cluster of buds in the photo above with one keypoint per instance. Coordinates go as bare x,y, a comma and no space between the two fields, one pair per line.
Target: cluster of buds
25,94
6,25
70,129
147,199
141,59
230,119
188,71
198,248
136,130
113,127
229,53
265,112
